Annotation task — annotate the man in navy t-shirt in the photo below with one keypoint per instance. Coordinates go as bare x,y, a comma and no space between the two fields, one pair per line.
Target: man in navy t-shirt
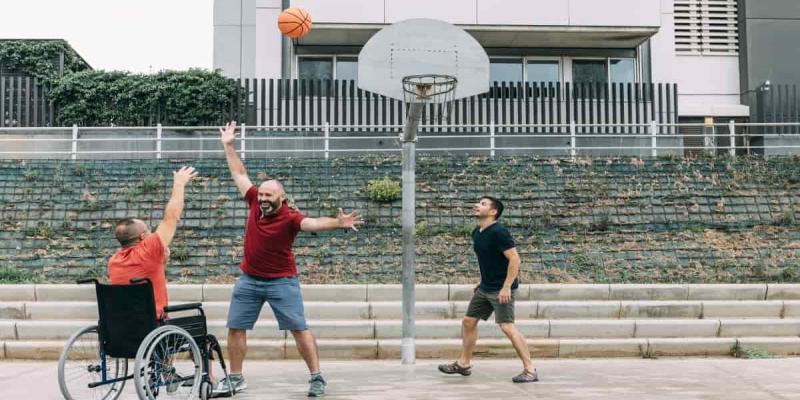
499,264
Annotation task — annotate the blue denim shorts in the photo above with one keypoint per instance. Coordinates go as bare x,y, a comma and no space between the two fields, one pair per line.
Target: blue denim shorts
282,294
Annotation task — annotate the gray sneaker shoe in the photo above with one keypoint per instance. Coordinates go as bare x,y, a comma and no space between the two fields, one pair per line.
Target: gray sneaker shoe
235,382
317,386
526,377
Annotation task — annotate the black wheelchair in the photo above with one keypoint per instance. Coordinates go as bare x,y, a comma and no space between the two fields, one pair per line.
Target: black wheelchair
171,356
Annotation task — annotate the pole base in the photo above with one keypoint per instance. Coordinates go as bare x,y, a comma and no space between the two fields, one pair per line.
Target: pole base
408,352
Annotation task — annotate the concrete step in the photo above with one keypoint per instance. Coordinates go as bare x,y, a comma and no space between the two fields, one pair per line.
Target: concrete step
448,349
442,292
392,310
451,329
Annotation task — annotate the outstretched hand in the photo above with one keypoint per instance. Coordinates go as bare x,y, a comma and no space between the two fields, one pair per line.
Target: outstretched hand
183,175
228,134
349,221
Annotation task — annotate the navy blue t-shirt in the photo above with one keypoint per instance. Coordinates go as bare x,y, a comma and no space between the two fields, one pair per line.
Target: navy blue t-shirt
489,246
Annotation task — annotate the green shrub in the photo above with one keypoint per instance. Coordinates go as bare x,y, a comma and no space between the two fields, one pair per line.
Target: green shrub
102,98
383,190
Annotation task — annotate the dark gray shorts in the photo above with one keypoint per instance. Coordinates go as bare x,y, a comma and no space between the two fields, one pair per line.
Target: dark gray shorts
282,294
483,304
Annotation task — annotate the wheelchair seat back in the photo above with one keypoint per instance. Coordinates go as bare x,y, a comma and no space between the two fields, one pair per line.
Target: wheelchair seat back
127,314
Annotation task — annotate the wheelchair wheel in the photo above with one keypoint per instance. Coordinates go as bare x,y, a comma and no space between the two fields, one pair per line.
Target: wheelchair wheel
168,363
205,390
81,364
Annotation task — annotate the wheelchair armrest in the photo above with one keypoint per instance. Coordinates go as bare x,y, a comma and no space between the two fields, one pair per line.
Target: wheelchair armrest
87,280
184,307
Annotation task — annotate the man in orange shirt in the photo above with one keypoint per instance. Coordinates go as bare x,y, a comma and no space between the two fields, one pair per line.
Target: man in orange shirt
144,254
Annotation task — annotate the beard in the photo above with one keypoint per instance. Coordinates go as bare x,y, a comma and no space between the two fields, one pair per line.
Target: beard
269,208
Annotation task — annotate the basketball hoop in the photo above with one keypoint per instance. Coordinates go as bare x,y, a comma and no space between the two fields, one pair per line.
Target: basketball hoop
431,88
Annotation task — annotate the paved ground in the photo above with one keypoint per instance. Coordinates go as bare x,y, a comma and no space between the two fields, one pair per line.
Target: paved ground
724,378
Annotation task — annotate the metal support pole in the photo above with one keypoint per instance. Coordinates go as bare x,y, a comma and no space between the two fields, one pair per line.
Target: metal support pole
158,141
573,150
732,135
408,351
241,144
74,141
327,139
653,139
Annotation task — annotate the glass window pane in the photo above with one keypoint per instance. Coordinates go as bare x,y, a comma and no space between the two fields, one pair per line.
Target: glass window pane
623,71
347,68
543,71
589,71
315,68
505,70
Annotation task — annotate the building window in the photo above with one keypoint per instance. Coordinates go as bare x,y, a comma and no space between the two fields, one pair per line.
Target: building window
706,27
327,67
346,68
590,71
623,70
315,68
543,71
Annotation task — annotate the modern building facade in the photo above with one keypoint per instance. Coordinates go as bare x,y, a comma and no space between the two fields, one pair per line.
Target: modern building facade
693,43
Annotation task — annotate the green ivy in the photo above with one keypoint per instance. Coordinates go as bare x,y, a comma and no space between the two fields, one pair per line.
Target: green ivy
40,58
193,97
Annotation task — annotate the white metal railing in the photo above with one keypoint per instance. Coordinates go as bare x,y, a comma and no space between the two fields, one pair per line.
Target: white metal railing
649,139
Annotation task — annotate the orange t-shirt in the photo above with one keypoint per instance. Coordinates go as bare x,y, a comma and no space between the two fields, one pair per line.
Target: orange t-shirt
146,259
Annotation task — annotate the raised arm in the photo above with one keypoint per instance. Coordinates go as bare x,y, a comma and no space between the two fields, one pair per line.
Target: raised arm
172,213
238,173
346,221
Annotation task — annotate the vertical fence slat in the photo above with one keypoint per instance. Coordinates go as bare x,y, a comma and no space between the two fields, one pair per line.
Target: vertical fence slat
2,101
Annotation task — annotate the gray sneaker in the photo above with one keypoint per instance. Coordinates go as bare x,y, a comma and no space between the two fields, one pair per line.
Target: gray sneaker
526,376
317,386
235,382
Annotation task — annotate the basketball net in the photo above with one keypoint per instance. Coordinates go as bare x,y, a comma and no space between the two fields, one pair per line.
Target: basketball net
435,89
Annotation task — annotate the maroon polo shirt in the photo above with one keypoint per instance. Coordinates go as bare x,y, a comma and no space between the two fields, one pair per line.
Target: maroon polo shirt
268,240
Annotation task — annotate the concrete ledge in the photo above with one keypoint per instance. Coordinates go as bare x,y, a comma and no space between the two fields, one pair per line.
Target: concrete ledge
259,350
187,293
8,330
34,350
742,309
49,330
680,347
578,309
449,349
602,348
661,309
592,328
264,330
394,292
82,310
676,328
349,329
13,310
568,292
217,292
460,292
17,292
423,310
522,310
759,327
451,329
780,346
65,292
334,292
649,292
791,309
783,291
727,291
338,349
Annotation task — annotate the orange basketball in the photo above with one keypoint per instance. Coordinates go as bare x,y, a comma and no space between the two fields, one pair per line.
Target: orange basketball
294,22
